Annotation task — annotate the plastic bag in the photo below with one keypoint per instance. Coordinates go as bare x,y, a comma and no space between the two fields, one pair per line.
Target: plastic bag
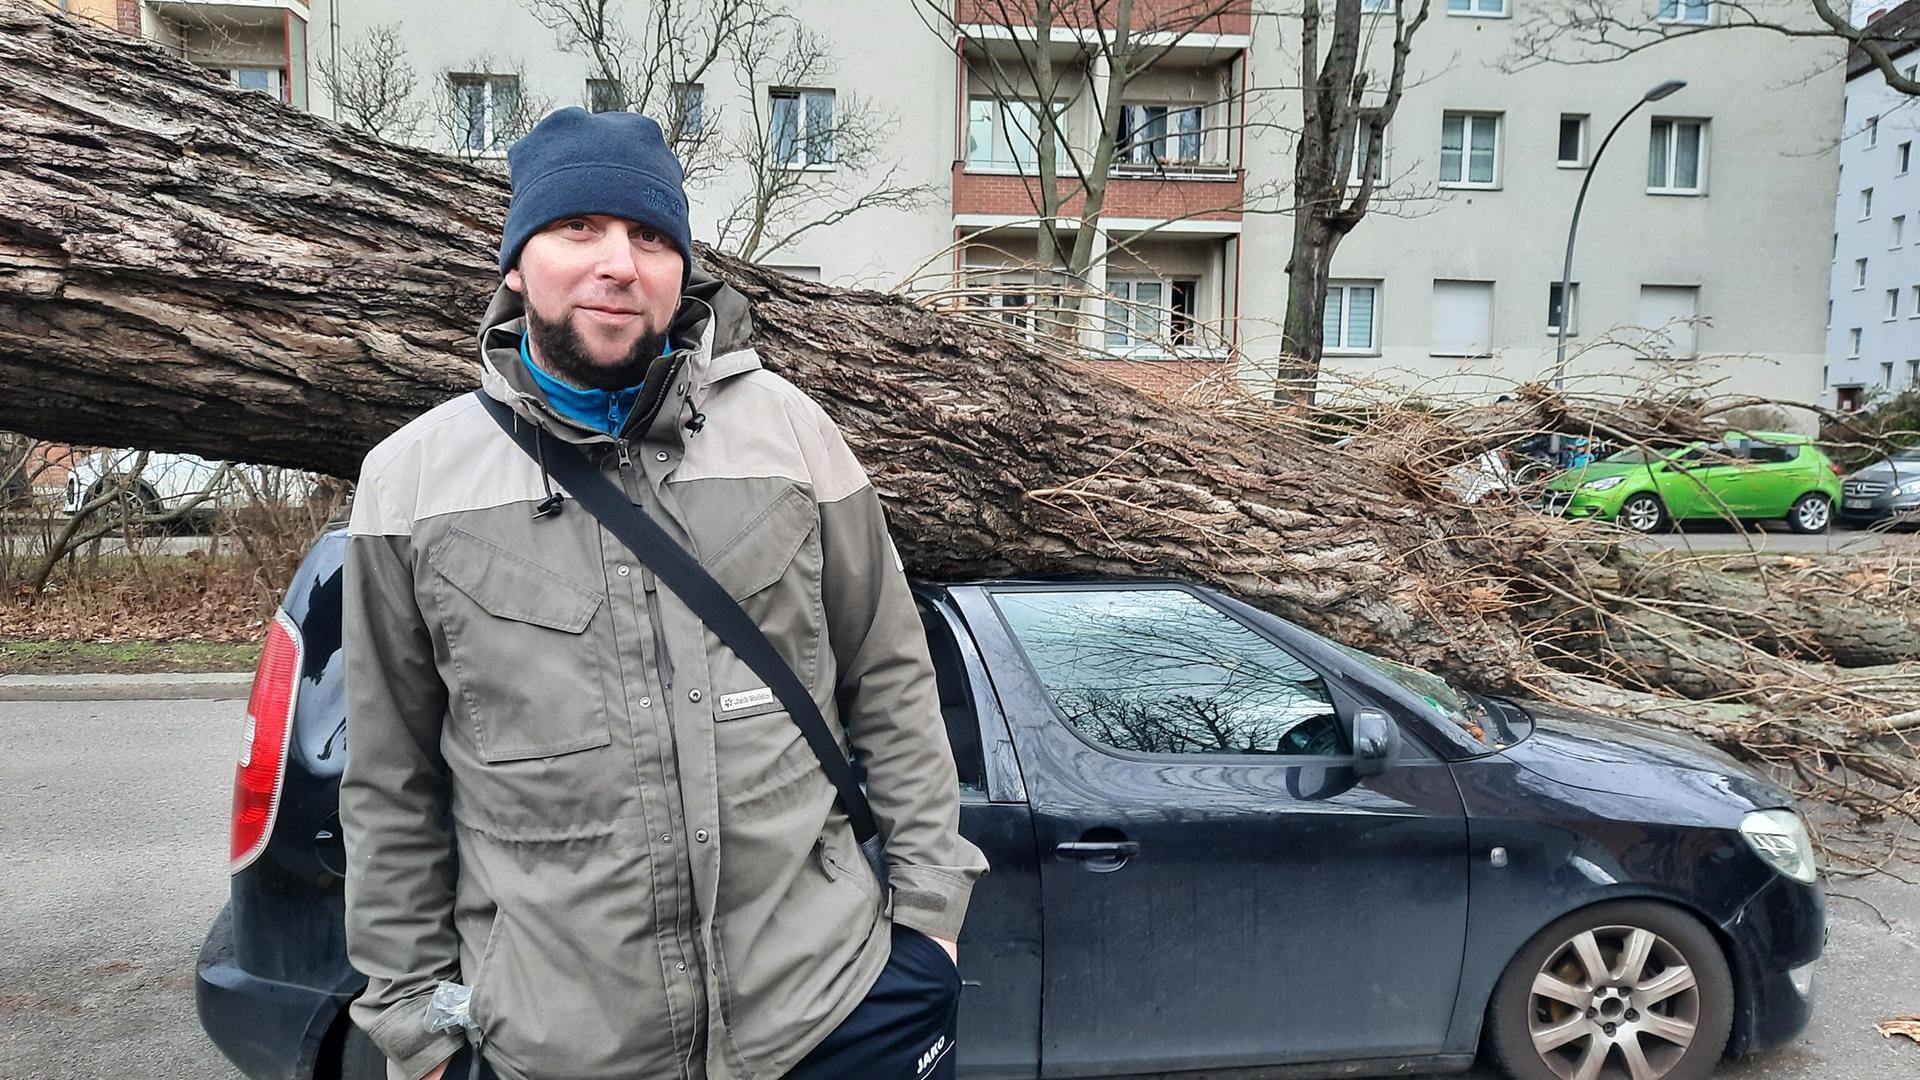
448,1010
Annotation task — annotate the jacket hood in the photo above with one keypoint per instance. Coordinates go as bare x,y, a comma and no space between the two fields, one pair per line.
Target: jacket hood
708,339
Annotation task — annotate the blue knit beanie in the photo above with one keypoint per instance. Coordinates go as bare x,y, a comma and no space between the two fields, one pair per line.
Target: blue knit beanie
615,163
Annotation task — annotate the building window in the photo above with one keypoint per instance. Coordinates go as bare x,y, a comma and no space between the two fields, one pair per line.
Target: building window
1462,319
1357,162
802,128
1371,6
1477,7
1853,344
1835,257
1886,374
1873,132
1685,11
1470,149
1902,158
1157,135
606,95
264,79
1859,273
1899,230
1005,135
804,273
1893,304
1846,398
1148,314
1913,373
1915,306
1162,672
1866,203
1675,157
1829,314
1553,308
691,101
1667,314
486,111
1352,319
1573,140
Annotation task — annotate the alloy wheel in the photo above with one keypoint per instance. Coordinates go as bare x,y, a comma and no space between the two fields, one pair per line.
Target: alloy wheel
1613,1003
1813,514
1641,513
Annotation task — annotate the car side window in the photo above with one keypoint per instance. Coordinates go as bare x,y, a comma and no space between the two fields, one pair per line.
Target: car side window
1160,671
1764,453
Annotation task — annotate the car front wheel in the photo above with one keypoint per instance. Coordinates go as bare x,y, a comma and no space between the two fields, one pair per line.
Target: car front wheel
1643,513
1627,990
1811,513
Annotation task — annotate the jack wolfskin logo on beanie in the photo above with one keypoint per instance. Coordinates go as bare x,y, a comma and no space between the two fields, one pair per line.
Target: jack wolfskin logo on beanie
575,162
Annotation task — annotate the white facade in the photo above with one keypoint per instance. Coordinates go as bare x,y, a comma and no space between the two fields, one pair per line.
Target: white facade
1444,289
1873,334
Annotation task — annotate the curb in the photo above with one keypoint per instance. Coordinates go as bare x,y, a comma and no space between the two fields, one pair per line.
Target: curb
216,686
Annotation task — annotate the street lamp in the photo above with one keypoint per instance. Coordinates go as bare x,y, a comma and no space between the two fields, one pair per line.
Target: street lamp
1566,273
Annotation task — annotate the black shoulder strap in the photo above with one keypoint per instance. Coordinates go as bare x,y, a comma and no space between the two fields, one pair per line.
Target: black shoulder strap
679,571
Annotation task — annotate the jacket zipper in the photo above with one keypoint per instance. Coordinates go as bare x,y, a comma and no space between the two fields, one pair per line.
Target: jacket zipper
660,658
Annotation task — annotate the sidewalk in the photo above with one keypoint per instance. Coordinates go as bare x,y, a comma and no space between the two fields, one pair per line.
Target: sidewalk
169,686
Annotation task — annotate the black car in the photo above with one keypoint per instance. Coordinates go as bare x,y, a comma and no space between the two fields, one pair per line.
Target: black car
1887,489
1219,843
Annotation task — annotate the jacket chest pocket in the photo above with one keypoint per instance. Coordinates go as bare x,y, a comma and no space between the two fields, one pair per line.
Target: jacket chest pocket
525,650
771,566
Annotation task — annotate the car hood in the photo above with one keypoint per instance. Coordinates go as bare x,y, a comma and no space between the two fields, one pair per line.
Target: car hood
1887,471
1626,757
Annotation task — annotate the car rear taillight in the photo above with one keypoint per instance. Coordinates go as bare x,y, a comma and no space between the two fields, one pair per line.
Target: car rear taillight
1837,470
263,746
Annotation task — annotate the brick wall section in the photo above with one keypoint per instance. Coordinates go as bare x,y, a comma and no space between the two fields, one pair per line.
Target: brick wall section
1152,198
127,17
1189,16
1163,378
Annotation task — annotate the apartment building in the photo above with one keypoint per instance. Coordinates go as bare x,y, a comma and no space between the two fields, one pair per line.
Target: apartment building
258,44
1873,307
1696,257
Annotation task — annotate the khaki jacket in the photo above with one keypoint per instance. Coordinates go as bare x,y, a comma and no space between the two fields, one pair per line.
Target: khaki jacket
565,793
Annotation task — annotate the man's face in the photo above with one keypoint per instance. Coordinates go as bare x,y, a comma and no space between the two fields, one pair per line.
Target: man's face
600,293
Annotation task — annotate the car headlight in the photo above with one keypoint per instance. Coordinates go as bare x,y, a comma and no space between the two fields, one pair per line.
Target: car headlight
1780,838
1912,488
1603,483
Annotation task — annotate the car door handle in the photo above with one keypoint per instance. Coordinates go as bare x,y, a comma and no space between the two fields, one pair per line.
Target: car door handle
1097,849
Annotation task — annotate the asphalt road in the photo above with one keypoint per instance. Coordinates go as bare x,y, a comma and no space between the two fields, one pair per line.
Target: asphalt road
1774,538
112,864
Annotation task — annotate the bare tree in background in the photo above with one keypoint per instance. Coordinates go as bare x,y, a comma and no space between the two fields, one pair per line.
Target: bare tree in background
374,87
1604,31
1345,107
1120,42
482,106
658,63
814,157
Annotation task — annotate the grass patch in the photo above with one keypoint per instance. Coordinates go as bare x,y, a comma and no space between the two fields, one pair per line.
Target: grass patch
124,657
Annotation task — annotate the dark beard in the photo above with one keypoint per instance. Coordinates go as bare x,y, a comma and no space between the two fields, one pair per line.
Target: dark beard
564,355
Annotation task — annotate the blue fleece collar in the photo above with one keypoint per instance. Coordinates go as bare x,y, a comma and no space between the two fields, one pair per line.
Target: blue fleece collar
602,410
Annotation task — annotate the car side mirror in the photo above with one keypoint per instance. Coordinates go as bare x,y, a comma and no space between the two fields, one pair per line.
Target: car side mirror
1374,739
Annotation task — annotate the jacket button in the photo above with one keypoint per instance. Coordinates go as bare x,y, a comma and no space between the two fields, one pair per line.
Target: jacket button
701,836
681,966
622,570
661,456
693,695
646,703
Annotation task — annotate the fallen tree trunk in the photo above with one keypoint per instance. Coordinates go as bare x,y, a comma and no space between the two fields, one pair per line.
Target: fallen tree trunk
189,266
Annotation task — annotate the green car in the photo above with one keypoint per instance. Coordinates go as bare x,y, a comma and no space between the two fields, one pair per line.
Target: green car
1762,474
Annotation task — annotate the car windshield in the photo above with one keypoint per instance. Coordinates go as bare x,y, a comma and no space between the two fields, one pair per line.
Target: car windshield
1910,453
1449,703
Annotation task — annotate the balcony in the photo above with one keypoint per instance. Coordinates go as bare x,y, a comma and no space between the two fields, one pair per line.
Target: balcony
1208,194
1148,15
230,14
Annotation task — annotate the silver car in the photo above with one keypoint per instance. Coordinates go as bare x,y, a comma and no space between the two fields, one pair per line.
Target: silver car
1887,489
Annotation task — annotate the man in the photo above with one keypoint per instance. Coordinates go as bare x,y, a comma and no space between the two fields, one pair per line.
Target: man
563,793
